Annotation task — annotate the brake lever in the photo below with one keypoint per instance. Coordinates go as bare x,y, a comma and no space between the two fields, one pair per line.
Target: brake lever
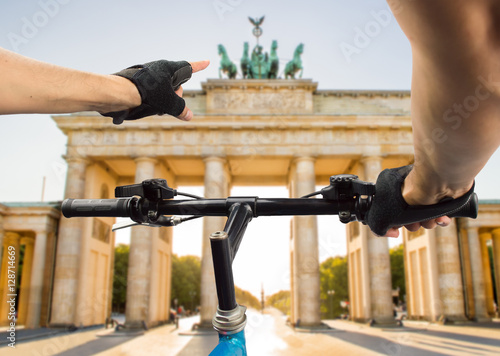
124,224
162,221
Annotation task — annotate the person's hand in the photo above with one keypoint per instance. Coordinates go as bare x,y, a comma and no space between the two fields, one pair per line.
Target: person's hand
415,197
400,201
159,85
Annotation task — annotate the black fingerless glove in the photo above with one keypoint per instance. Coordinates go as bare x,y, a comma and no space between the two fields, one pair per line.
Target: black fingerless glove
157,82
389,209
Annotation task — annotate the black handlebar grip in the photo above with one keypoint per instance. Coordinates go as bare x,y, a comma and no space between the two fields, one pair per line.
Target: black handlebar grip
389,209
96,207
465,206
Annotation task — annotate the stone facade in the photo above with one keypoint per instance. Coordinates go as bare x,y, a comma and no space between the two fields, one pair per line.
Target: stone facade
33,225
448,271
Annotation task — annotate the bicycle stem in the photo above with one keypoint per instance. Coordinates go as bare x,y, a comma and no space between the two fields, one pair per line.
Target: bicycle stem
230,317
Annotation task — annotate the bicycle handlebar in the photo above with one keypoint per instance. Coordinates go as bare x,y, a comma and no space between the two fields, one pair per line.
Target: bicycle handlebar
346,196
139,209
130,207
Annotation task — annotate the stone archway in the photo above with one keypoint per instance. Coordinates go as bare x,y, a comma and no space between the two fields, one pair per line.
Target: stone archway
246,132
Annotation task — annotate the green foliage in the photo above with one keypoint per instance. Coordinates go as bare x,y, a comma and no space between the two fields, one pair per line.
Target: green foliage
246,298
280,301
333,277
186,281
120,278
398,270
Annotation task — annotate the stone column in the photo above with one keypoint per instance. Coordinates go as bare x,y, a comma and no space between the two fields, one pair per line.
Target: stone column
488,282
305,246
139,264
477,275
10,262
496,262
217,182
378,258
24,292
37,275
450,273
68,250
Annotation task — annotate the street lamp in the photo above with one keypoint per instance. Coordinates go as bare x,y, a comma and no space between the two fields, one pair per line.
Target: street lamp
331,293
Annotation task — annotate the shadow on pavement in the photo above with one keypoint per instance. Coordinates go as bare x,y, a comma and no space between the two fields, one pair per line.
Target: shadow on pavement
381,345
449,342
479,340
32,334
200,345
95,346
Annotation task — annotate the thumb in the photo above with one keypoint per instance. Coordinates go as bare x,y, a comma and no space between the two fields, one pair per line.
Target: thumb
186,114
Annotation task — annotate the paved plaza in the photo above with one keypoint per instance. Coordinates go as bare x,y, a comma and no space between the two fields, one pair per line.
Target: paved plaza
268,334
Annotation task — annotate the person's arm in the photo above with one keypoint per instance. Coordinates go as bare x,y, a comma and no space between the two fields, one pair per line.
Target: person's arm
455,103
31,86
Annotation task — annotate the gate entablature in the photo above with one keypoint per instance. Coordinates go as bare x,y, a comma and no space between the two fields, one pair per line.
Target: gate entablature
259,126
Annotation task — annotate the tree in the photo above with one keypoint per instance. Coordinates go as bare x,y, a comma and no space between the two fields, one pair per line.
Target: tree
120,278
333,286
186,281
280,301
398,269
246,298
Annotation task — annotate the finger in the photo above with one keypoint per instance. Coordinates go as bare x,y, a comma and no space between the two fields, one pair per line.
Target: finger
443,221
413,227
392,232
200,65
429,224
186,115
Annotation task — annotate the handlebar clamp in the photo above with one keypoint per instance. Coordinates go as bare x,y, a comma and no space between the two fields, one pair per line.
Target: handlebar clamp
344,187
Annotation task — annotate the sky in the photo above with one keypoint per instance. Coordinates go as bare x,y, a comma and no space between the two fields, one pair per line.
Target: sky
351,44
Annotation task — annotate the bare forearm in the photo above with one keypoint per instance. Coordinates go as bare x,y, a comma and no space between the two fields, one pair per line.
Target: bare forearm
30,86
455,101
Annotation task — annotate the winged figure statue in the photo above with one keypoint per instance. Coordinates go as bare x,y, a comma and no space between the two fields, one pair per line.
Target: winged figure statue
256,21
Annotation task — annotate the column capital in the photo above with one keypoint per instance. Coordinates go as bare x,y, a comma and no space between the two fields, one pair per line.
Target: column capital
222,159
76,159
27,240
10,237
496,233
303,158
485,234
370,158
146,159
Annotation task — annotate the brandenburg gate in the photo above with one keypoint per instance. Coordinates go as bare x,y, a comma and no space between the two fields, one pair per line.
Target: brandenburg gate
254,132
